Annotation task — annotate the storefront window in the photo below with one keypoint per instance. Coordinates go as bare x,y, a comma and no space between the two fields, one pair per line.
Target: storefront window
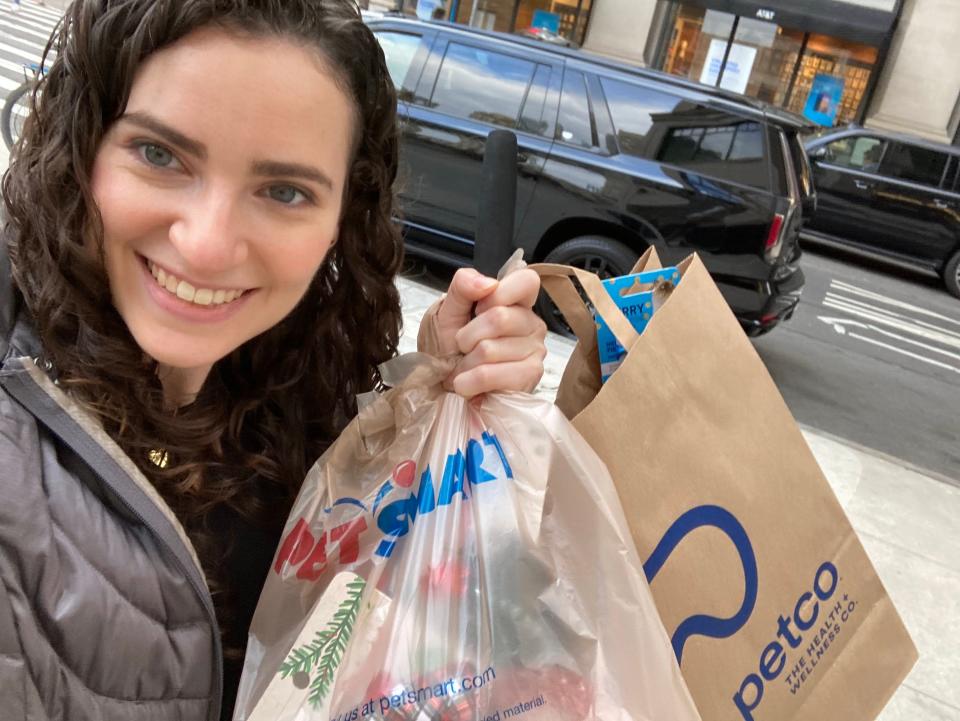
849,64
699,40
558,18
822,77
774,53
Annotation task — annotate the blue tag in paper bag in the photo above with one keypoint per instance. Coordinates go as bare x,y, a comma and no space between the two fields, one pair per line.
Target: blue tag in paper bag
637,307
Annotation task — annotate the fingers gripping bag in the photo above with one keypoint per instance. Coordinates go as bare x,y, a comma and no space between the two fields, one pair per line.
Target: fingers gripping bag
453,559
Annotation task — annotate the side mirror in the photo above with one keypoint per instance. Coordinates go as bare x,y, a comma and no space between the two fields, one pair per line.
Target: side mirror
820,153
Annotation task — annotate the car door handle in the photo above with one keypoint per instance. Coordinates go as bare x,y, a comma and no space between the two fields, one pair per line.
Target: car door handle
863,184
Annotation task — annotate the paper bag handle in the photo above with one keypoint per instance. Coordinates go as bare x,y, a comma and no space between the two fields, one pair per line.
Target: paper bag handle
557,281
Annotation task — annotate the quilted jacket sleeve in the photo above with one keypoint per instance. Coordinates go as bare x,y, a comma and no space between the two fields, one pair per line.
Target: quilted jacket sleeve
18,696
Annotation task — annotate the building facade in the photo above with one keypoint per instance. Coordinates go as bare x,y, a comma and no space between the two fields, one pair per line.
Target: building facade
891,64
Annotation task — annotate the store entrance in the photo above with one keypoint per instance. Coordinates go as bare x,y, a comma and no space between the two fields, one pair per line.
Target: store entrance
822,77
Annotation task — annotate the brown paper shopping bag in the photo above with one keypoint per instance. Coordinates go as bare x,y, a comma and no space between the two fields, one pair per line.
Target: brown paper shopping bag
774,609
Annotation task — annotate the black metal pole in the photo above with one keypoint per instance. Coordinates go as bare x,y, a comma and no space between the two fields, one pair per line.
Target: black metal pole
497,204
796,71
726,53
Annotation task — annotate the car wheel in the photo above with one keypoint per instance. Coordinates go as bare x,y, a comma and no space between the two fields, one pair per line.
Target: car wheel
603,256
951,274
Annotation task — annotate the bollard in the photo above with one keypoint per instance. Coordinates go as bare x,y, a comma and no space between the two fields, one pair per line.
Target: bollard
497,205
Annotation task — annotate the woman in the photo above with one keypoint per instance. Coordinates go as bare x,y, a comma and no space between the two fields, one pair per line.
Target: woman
200,281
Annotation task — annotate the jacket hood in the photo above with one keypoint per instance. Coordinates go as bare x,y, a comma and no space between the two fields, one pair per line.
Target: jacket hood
17,335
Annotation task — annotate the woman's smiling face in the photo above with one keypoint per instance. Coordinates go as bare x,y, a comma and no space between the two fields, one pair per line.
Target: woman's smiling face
220,190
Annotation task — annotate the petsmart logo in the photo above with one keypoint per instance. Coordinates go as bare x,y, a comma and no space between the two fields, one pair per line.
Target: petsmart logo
483,461
789,628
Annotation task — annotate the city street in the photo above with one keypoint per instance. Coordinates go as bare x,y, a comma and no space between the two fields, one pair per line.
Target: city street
870,367
872,356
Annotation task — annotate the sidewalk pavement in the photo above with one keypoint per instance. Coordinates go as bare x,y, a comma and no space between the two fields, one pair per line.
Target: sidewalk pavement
907,521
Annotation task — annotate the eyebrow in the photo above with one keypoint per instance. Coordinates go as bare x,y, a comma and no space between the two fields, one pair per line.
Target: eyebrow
174,137
273,168
263,168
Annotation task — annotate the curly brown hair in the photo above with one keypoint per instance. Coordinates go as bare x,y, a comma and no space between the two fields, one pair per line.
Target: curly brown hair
271,407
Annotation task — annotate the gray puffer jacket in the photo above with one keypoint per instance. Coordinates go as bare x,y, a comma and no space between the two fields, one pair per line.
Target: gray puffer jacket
104,611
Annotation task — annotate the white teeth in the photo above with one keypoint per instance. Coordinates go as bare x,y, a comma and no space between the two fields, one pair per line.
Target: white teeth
204,296
183,290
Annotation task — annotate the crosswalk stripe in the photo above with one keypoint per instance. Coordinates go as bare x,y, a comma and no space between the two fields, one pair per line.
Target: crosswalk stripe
41,36
28,57
7,84
17,69
45,13
29,20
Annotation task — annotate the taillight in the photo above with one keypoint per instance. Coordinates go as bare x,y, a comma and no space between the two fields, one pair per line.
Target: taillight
773,236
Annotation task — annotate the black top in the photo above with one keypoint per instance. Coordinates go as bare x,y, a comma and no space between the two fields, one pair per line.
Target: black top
248,552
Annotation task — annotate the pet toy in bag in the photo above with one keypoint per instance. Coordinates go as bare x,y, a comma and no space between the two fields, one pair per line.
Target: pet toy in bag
453,559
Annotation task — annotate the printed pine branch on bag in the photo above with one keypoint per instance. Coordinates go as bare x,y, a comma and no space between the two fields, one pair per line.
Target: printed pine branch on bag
326,650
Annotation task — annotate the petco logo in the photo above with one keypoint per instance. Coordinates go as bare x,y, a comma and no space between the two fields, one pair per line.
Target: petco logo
789,628
483,462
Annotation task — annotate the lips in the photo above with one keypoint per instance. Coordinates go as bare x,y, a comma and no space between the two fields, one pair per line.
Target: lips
188,292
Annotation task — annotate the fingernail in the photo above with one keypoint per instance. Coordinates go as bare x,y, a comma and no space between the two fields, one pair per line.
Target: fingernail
484,282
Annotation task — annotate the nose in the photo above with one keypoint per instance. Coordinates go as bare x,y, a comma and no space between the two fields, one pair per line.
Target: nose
208,233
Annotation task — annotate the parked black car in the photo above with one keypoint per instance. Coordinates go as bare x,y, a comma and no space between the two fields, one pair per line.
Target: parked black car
612,159
888,196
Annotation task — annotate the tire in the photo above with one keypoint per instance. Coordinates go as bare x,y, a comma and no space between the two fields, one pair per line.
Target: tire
11,121
951,274
603,256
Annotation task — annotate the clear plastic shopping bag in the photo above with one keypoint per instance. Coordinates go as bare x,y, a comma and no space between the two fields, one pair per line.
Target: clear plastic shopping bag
453,559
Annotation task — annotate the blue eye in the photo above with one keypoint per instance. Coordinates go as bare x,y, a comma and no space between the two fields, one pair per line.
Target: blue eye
286,194
157,155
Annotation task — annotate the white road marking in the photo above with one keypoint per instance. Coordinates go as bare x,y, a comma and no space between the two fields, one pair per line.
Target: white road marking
21,20
945,338
41,35
840,285
7,84
31,55
918,357
892,314
840,324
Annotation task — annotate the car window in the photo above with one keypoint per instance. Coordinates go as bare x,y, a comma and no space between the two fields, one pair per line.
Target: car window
733,152
710,140
481,85
399,49
574,125
531,116
856,151
914,164
635,109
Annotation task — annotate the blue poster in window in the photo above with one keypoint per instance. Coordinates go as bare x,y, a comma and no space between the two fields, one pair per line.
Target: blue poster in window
823,102
546,20
427,8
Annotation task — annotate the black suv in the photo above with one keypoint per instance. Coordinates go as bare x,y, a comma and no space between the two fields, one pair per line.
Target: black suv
612,159
892,197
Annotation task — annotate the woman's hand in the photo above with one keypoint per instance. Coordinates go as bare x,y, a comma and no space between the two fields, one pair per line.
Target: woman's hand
493,325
